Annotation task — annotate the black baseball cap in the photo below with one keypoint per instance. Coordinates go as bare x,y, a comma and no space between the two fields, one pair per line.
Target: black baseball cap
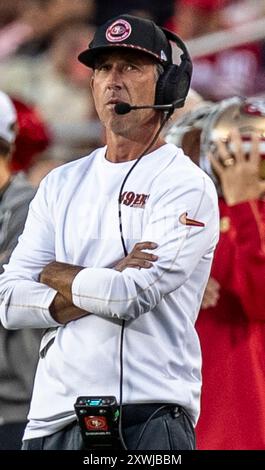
126,31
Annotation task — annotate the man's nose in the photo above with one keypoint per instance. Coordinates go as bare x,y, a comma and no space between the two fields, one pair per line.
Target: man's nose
115,78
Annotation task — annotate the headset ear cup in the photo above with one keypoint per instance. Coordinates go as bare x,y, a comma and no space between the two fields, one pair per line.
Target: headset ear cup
160,86
174,84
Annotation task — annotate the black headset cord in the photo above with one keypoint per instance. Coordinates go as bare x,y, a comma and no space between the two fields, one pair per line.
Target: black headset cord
164,120
146,424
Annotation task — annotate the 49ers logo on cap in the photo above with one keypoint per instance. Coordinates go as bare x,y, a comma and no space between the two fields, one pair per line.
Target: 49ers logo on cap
118,31
256,107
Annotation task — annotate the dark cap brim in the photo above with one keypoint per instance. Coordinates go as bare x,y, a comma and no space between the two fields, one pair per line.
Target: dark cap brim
88,56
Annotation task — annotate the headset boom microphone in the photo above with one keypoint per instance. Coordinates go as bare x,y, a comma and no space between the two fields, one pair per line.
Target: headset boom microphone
124,108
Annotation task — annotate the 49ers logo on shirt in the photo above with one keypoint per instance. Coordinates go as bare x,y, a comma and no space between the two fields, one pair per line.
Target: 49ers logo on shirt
129,198
118,31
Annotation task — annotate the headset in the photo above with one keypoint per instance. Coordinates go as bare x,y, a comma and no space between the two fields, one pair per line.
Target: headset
173,84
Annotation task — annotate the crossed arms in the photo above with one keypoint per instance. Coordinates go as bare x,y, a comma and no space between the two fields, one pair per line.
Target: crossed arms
37,292
60,277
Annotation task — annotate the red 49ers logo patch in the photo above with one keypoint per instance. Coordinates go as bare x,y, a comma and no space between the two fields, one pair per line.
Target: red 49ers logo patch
256,107
129,198
118,31
96,423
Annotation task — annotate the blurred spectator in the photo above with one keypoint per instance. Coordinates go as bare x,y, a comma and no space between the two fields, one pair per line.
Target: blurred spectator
231,71
9,11
32,139
59,85
18,349
231,323
54,156
152,9
38,20
238,12
193,18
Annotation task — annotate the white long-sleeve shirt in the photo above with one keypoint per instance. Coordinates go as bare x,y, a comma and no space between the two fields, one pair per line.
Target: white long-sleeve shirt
74,219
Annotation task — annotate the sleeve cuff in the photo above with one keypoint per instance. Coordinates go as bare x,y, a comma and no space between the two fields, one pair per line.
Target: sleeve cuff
33,312
50,294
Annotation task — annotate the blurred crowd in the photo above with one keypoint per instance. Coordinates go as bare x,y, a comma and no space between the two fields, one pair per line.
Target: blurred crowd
40,40
55,122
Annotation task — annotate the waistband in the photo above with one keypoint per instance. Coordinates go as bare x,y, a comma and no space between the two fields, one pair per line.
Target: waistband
139,412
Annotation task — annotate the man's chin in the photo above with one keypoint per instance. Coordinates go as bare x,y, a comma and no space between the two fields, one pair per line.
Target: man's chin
119,124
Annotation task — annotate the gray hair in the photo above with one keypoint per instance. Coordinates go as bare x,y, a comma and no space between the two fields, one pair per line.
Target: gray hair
159,70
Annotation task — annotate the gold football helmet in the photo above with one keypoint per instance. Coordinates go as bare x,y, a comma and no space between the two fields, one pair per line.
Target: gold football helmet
197,131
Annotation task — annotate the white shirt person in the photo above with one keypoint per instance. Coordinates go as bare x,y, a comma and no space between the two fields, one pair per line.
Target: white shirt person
71,243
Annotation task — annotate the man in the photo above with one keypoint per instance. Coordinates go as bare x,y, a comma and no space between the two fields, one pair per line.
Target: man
231,323
85,217
18,349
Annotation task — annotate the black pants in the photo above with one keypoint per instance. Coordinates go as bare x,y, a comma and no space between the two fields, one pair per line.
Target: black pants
170,429
11,435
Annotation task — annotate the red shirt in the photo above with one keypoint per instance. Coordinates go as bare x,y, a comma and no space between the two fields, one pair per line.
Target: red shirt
232,335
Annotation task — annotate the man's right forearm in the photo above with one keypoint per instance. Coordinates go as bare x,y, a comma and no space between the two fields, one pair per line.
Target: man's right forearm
63,311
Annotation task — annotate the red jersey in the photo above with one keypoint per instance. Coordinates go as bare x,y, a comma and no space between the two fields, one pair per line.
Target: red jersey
232,335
